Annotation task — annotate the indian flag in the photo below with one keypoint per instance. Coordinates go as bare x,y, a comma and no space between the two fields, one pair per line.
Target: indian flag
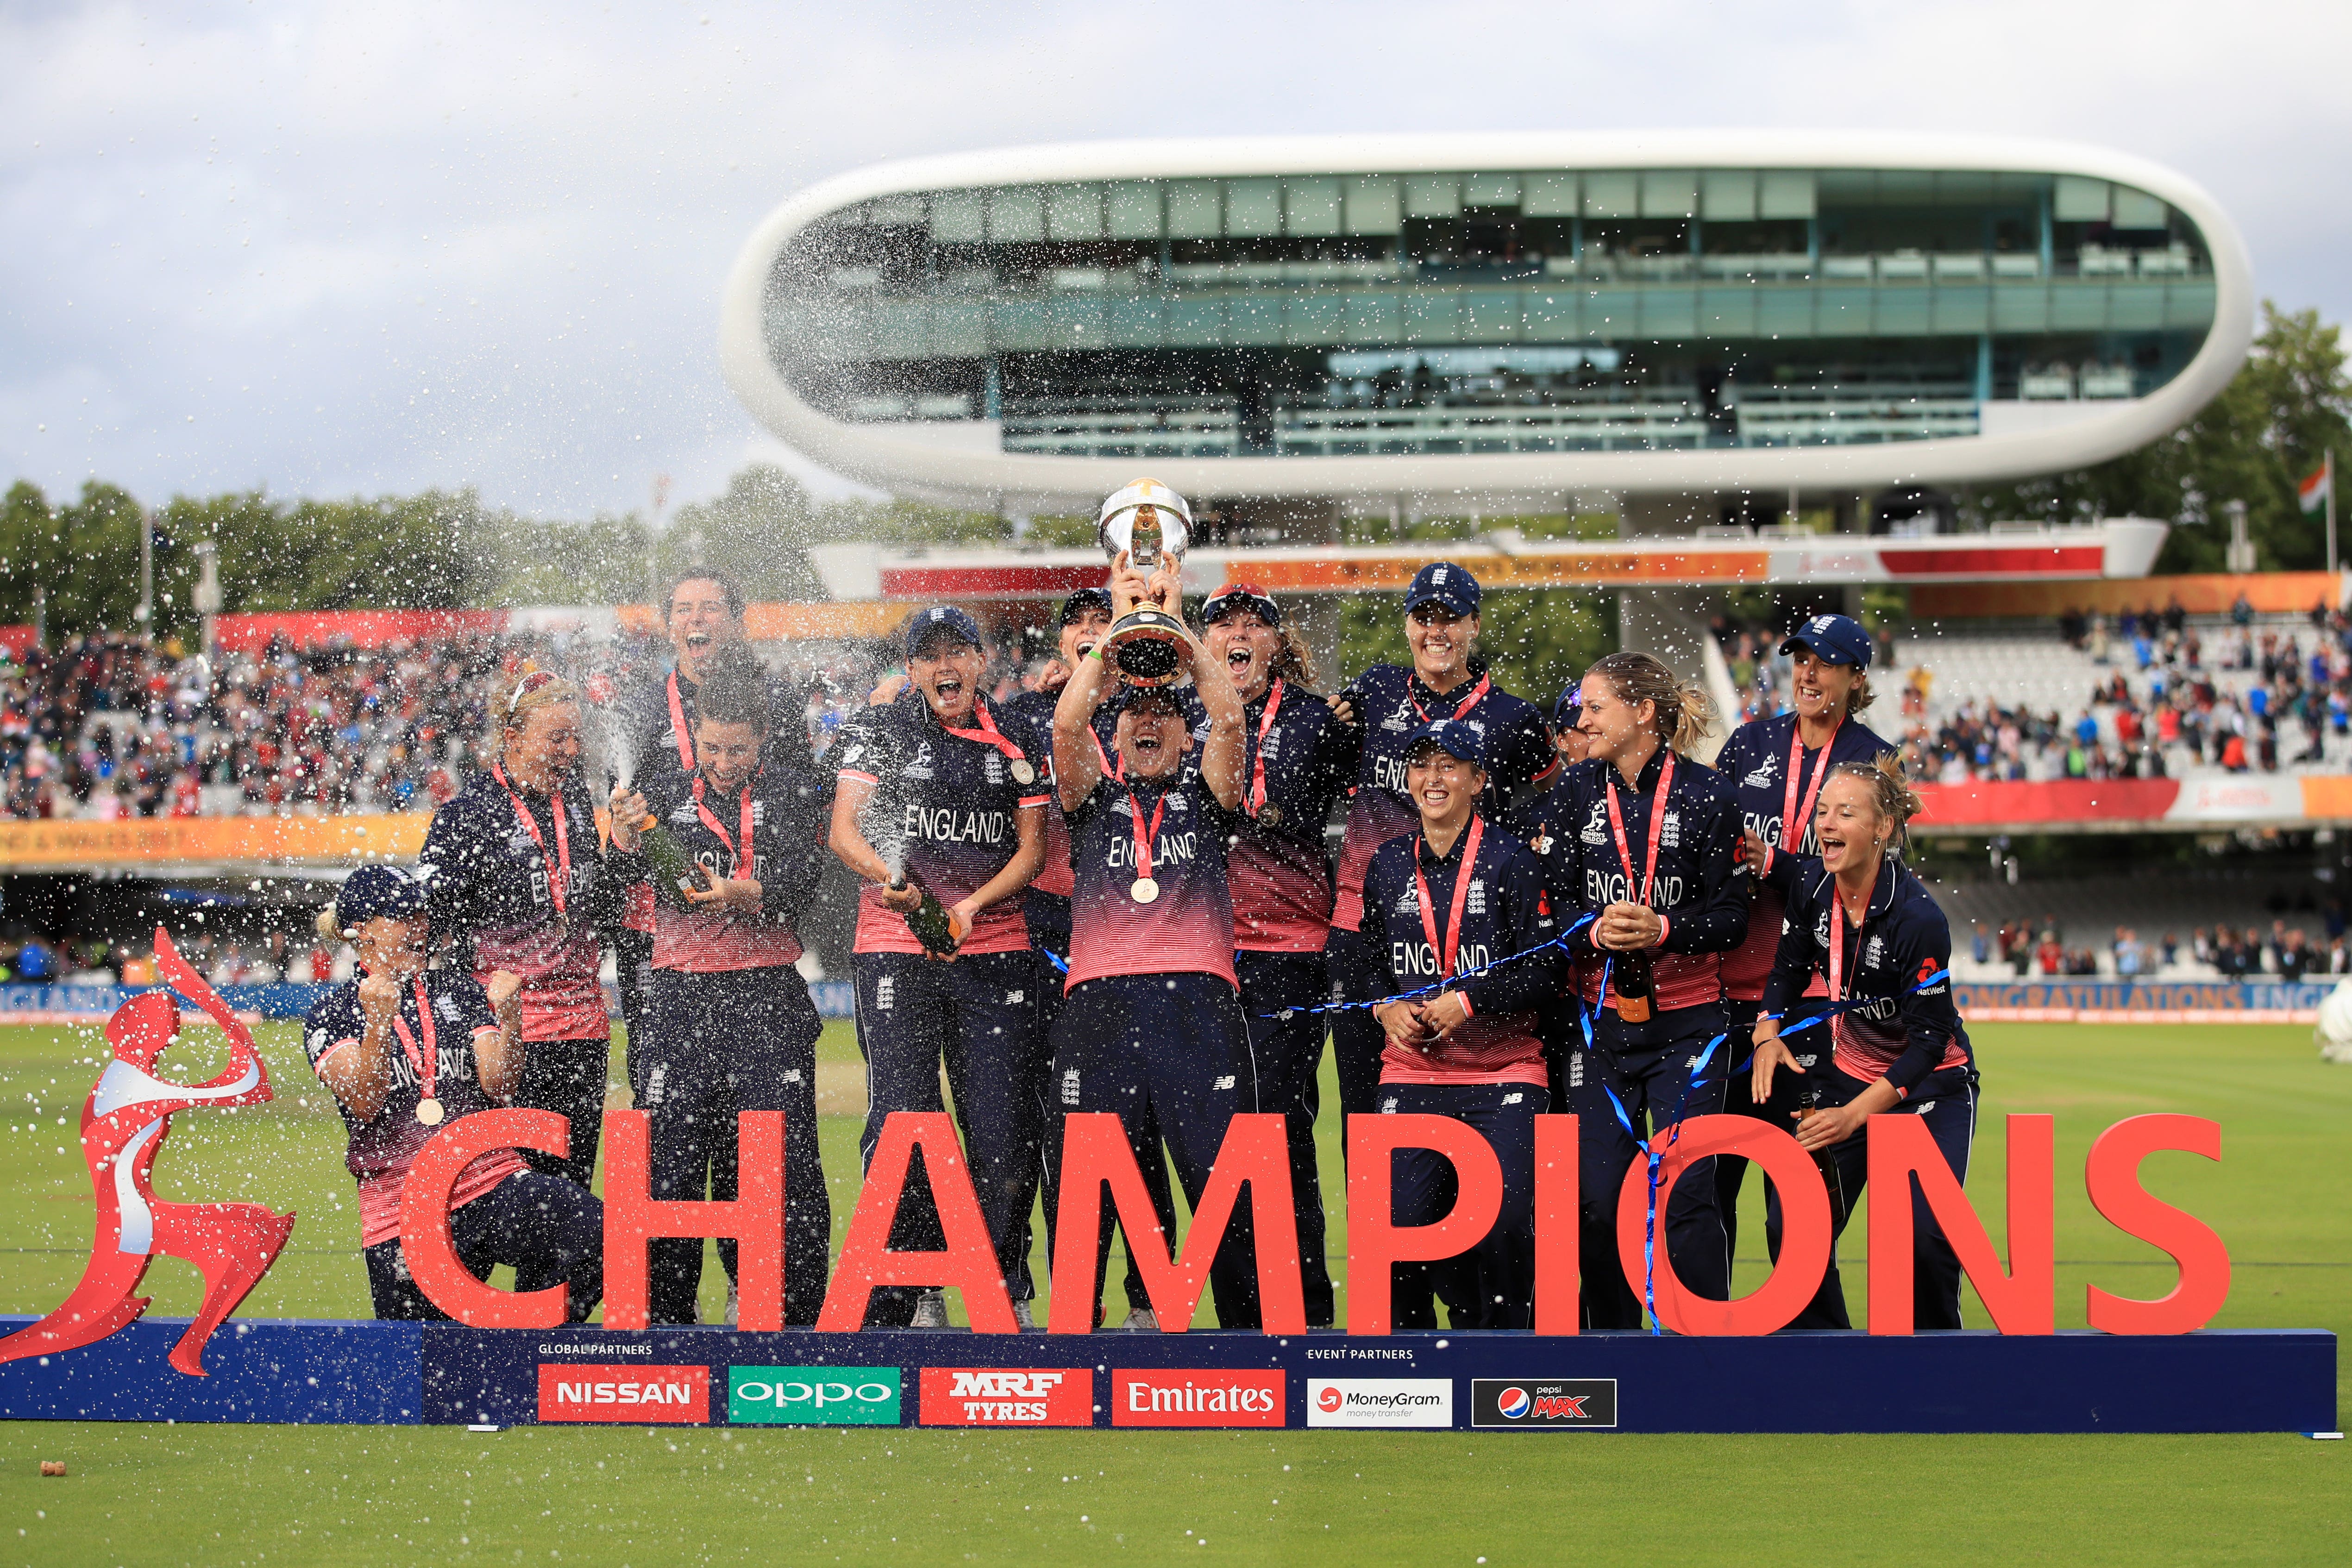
2313,492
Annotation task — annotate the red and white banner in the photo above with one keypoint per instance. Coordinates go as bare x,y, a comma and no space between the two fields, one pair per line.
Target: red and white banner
1178,1396
1007,1396
629,1394
2221,801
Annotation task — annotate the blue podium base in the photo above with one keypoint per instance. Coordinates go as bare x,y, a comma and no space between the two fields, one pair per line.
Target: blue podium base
355,1373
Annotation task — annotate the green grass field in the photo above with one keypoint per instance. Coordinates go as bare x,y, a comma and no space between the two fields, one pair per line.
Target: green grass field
303,1495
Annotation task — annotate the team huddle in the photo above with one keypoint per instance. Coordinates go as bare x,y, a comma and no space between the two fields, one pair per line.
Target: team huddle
1111,892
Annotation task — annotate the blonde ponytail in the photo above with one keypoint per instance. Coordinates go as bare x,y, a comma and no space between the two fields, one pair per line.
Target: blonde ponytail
1891,794
1686,712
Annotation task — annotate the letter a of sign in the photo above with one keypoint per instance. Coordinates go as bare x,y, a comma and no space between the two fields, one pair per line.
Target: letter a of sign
123,1125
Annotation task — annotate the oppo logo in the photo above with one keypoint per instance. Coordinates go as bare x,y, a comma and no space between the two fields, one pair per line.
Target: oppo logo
818,1394
813,1396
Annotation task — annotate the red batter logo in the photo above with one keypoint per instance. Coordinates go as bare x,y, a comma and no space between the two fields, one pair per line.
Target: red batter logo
123,1125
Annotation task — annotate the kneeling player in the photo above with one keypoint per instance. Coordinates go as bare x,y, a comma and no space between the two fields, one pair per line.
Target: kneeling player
1449,901
404,1050
1152,1025
729,1025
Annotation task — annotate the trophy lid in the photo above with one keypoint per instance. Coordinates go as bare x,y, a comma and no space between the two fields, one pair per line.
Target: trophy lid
1115,526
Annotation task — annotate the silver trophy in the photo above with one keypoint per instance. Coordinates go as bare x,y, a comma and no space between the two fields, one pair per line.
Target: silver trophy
1151,524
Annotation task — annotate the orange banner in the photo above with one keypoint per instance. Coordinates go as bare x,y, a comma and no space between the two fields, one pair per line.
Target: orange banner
782,622
211,840
2210,593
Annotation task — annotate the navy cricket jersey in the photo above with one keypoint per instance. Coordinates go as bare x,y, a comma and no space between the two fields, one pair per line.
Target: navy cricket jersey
953,804
383,1149
1910,1034
1394,704
1756,761
1698,888
790,812
489,872
1505,910
1189,927
1281,885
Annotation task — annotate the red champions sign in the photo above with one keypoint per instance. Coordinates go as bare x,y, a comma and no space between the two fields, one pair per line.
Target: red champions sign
1007,1396
1176,1397
624,1393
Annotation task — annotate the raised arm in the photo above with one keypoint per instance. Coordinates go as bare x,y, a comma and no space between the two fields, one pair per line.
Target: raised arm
1221,752
1077,755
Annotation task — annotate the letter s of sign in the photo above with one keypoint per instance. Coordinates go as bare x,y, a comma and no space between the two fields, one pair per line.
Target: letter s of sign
2112,1175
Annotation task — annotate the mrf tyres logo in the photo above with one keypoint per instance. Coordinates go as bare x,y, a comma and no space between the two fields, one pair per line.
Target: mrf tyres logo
1007,1396
813,1395
1543,1401
631,1393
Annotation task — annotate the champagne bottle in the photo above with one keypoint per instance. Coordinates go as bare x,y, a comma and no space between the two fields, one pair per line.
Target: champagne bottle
1808,1105
929,922
1629,976
671,863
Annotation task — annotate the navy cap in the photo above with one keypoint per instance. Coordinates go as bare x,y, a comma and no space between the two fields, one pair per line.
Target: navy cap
1240,596
1085,599
1463,741
1568,706
940,621
1444,583
1832,639
373,890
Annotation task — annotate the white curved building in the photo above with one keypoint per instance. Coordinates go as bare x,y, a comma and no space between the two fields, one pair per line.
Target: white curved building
1439,320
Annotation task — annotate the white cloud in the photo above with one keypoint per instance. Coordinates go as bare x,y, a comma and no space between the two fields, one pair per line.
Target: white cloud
389,246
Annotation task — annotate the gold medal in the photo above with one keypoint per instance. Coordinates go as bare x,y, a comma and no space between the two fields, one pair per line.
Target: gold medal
1270,814
1144,891
429,1112
1023,772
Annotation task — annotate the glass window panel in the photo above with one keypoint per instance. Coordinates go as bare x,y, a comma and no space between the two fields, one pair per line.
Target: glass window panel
1016,213
1491,316
1907,187
896,209
1669,192
1074,212
1375,205
1257,319
1842,312
1964,310
1135,323
1135,209
1433,196
1669,313
1432,319
1311,207
1374,319
900,327
1253,207
1785,193
2020,309
1491,191
1727,312
1967,187
1727,196
1193,209
1848,187
1549,196
1614,193
1315,318
958,331
2079,199
1196,323
2137,209
1784,312
1020,324
956,218
2078,307
1553,317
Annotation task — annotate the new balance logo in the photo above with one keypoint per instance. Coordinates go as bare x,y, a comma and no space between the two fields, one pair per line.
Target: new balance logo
1224,1083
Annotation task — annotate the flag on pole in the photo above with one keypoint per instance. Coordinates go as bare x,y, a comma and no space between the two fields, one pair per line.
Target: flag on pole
2316,486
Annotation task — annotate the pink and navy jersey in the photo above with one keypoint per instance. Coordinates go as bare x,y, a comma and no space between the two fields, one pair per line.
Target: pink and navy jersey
663,742
1189,927
1393,703
946,808
491,878
1281,885
1909,1033
1505,912
1756,761
790,811
1698,886
383,1149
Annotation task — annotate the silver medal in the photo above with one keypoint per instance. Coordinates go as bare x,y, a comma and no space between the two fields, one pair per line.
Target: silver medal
1023,773
429,1112
1144,891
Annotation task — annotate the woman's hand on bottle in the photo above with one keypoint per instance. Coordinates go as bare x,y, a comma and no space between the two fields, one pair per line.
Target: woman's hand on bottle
906,900
628,809
960,919
1625,928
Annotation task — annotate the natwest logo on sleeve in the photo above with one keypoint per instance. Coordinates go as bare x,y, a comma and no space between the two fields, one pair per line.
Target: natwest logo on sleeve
630,1393
1379,1402
1007,1396
1545,1402
1176,1397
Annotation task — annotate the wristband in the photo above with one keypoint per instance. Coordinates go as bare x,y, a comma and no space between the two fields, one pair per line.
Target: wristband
1095,652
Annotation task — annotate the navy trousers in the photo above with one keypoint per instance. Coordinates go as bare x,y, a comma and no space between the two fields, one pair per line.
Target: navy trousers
1289,1052
1951,1121
1811,1046
1357,973
550,1230
1493,1285
715,1044
1169,1055
978,1014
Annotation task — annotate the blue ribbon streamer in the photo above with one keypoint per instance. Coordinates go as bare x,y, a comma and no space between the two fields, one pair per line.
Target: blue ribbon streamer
1833,1009
1436,987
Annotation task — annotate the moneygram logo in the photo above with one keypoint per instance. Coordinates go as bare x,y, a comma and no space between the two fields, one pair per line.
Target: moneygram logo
1379,1402
1167,1397
1007,1396
631,1393
813,1395
1552,1402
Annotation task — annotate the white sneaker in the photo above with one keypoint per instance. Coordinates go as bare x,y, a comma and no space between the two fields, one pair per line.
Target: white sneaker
930,1310
1022,1319
1140,1320
734,1305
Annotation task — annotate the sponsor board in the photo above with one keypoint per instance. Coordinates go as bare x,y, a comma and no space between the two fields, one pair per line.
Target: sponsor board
1543,1401
1379,1402
813,1395
1006,1397
1175,1397
630,1393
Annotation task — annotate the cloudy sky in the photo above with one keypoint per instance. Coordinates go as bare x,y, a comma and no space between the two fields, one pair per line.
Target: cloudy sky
332,250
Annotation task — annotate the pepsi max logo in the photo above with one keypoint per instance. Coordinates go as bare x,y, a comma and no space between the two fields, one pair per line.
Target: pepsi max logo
1543,1401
